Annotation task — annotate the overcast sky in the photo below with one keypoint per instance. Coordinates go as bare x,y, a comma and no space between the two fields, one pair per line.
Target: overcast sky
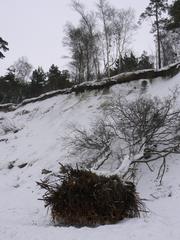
34,28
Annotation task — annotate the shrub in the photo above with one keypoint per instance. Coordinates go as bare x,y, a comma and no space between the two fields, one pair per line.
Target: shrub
130,133
82,198
93,147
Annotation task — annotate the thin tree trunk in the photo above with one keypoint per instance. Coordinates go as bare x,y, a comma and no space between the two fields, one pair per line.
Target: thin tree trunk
106,40
158,38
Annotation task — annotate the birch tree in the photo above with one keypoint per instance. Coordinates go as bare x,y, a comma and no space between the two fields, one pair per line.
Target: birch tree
106,14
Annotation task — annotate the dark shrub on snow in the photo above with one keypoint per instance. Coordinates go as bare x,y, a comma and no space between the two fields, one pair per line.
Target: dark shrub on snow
82,198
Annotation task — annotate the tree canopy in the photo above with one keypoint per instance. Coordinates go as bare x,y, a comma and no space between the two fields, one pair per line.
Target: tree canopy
3,47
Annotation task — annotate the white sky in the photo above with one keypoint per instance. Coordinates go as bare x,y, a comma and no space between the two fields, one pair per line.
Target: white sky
34,28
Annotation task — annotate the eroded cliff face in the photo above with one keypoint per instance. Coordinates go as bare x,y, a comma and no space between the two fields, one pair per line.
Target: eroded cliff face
32,140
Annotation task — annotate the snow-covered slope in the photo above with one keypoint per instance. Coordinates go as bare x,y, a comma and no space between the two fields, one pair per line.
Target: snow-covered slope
39,144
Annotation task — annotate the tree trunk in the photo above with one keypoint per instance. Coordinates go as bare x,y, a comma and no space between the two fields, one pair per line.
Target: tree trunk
158,38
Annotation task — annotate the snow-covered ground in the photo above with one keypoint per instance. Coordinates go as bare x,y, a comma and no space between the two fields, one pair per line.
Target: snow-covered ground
39,143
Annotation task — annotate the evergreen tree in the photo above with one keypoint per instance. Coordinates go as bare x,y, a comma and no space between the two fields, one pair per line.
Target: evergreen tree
129,63
3,47
12,90
65,76
174,13
57,79
54,76
144,62
37,81
155,9
7,87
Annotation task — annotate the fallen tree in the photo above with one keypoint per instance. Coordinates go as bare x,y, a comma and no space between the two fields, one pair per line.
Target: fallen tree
131,133
103,84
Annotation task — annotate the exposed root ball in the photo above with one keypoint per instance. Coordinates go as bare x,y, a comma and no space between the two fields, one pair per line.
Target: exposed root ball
82,198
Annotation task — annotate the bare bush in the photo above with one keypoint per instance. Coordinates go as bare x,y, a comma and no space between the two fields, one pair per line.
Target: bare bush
94,145
140,131
148,127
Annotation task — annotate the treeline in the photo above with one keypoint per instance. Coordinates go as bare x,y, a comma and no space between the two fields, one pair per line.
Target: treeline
19,83
100,44
165,20
99,39
129,62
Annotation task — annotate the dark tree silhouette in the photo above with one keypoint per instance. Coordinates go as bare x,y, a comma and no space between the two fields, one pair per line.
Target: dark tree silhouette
174,13
155,9
3,47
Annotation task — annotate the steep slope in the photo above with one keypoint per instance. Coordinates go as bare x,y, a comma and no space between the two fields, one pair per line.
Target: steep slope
39,144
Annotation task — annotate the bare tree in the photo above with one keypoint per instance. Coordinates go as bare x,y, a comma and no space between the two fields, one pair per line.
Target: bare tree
93,146
88,21
21,68
149,127
123,28
118,26
91,44
83,43
131,133
106,14
74,41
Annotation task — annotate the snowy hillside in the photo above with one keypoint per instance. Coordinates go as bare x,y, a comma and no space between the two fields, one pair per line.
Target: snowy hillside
31,139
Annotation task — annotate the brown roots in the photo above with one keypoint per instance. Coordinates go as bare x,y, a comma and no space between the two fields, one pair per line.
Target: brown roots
83,198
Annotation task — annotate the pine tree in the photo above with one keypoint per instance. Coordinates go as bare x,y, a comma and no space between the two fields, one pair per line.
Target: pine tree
3,46
155,9
54,76
130,63
12,90
57,79
174,13
37,81
144,62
